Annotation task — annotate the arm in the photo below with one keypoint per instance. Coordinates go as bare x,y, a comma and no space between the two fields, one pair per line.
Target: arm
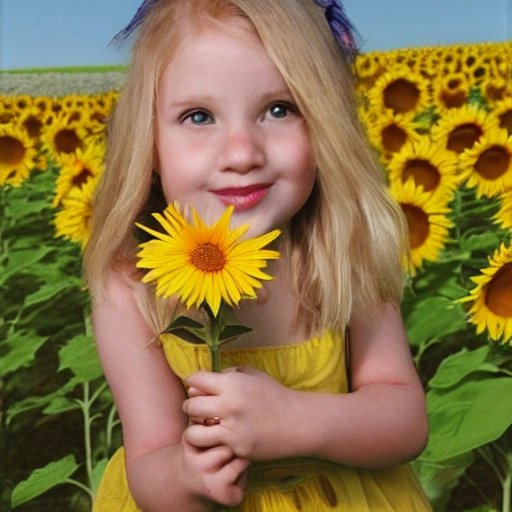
164,472
380,423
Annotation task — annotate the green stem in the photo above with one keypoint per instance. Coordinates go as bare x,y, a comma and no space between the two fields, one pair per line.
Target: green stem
87,432
216,326
506,492
80,486
110,428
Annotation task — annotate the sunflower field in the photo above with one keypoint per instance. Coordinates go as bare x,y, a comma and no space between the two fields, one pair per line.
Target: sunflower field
440,121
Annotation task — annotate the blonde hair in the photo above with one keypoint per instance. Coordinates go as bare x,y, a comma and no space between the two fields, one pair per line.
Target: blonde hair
349,238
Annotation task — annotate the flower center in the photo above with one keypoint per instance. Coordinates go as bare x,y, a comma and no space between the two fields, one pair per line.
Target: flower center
82,177
493,163
393,138
463,137
12,151
401,96
423,173
208,258
67,141
419,227
499,292
506,120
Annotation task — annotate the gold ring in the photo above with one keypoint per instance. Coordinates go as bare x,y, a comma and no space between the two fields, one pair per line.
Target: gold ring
208,422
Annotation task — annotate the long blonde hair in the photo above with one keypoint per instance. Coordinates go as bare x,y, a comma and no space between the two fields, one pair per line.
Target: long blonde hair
349,238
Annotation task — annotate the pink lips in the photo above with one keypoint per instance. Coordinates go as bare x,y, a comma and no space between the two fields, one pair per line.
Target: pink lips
243,198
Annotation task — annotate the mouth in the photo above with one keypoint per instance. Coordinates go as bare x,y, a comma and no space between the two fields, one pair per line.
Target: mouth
243,198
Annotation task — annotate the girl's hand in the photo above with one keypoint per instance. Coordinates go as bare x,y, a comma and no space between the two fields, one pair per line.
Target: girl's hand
215,473
252,408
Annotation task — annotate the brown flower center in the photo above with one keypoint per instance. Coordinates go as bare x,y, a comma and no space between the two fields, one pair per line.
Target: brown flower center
493,163
463,137
33,127
12,150
423,173
499,292
419,227
208,258
82,177
453,99
401,95
393,138
506,120
67,141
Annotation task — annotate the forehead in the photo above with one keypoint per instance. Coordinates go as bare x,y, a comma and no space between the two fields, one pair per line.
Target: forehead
207,54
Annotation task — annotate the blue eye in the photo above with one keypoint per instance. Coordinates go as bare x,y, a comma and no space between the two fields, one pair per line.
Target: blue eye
279,110
198,117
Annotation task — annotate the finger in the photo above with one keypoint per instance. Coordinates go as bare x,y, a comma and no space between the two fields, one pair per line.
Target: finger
194,392
202,407
208,383
248,370
234,471
204,437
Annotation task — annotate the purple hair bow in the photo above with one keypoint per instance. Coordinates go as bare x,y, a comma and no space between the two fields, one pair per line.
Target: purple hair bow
341,27
137,19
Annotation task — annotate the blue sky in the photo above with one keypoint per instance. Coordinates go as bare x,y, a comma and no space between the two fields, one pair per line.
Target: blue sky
55,33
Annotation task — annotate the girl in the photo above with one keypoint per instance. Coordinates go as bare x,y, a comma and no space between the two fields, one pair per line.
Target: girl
250,103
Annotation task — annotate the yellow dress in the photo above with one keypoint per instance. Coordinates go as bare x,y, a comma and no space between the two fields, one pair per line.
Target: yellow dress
298,485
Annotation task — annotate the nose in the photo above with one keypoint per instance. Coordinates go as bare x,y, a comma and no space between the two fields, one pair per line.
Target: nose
243,150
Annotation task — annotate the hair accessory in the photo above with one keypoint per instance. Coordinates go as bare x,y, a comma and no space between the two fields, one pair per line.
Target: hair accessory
342,28
141,13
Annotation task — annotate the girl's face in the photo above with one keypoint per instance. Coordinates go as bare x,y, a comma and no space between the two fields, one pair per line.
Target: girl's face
228,132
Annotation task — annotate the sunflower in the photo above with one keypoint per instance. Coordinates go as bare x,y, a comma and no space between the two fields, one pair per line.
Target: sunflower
429,165
367,65
492,297
73,221
427,221
32,120
451,91
62,135
204,263
488,165
389,133
21,102
17,154
401,90
504,215
503,111
77,169
494,89
459,128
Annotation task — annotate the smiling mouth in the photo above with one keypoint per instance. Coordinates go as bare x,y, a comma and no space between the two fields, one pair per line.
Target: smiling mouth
243,198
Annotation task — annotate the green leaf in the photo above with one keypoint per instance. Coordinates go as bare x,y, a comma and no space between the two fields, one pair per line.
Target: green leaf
22,347
458,366
183,322
20,260
43,479
438,479
50,290
60,404
432,318
81,357
231,332
472,414
97,473
487,242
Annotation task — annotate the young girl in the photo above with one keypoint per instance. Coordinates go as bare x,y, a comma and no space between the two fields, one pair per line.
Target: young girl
250,103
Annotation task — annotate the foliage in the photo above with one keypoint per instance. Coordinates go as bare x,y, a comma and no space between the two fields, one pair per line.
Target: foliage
45,309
